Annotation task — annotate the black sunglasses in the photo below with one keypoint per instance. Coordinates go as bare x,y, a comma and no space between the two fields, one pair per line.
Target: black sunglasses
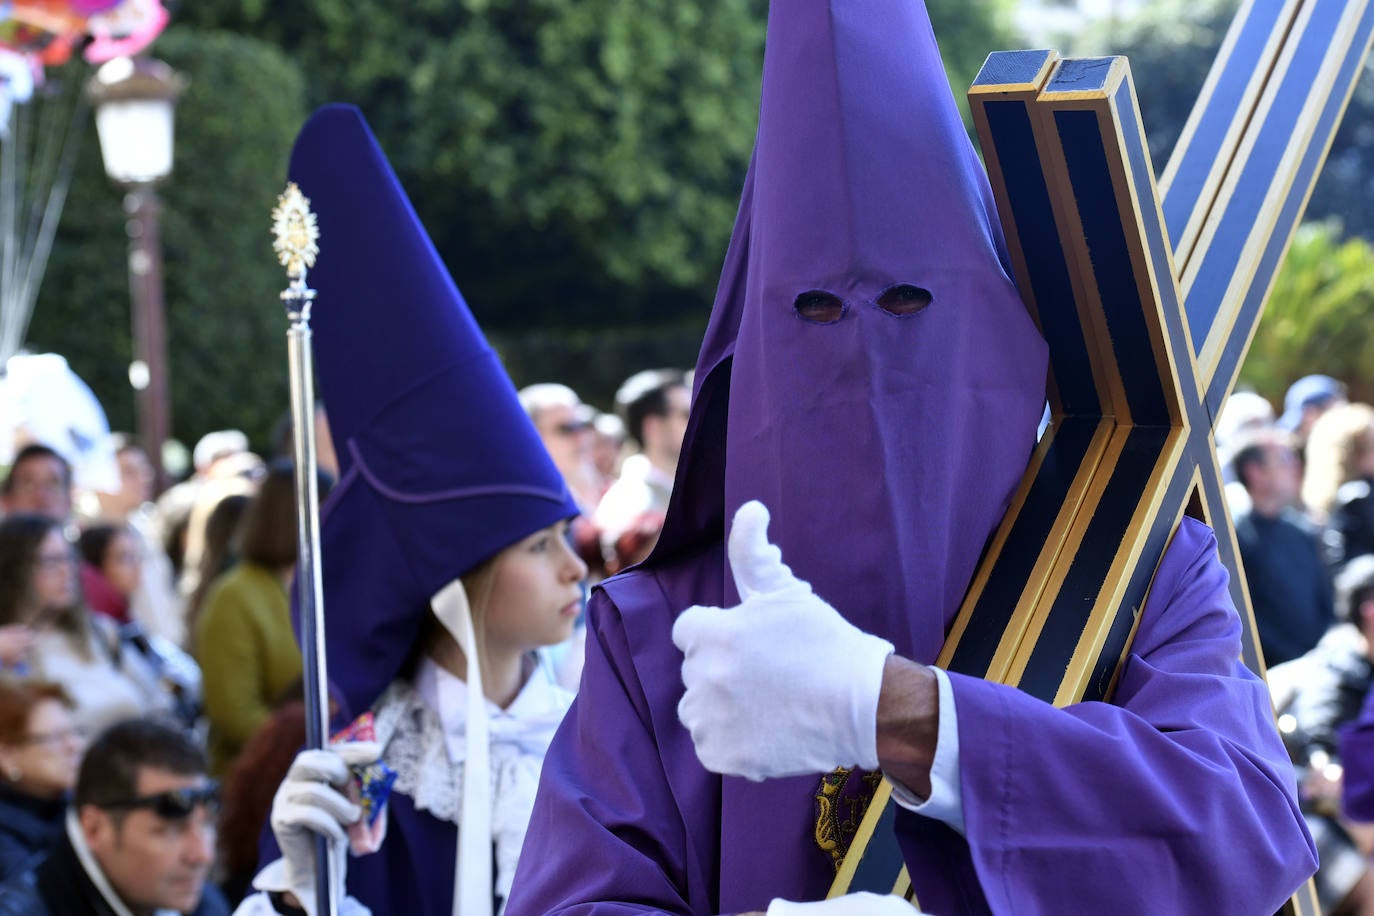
173,805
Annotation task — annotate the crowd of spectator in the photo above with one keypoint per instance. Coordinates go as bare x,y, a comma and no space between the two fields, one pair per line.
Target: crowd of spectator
1298,494
158,626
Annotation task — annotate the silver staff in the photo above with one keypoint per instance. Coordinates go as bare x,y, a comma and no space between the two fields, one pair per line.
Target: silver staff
297,235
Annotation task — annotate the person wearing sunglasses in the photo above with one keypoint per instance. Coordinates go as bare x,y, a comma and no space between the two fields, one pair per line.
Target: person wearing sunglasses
140,838
40,748
560,418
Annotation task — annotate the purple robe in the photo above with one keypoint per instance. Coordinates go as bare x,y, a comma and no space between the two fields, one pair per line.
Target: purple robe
1177,798
1357,759
413,871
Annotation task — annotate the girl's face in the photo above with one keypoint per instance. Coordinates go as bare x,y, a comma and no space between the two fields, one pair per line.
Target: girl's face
534,598
44,762
54,574
122,565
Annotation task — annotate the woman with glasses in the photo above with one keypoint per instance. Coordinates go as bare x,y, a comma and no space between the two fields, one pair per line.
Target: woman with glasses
40,748
105,676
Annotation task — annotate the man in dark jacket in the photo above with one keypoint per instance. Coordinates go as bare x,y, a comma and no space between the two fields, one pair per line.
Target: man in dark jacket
1290,588
140,840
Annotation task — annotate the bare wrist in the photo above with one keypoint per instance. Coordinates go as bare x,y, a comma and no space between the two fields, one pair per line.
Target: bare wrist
908,723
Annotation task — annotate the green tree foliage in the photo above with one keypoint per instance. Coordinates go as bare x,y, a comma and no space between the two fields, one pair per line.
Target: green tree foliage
1320,316
226,328
577,163
968,32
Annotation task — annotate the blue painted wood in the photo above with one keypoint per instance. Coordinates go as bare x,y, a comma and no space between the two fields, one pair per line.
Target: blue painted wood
1112,229
882,861
1066,452
1222,107
1118,283
1289,215
1261,168
1048,290
1047,286
1086,578
1157,243
1010,68
1087,74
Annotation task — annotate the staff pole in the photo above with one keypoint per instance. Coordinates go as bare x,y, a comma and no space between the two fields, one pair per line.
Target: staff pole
296,240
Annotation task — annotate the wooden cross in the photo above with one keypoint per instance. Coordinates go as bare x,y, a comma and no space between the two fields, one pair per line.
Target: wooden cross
1148,304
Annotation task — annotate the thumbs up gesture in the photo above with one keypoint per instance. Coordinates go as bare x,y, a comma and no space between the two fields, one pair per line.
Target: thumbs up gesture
781,684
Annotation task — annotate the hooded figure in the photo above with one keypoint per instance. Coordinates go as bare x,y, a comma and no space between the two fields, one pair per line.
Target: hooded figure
870,375
441,470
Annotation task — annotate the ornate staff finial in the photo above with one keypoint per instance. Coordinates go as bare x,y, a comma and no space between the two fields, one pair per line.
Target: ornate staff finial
297,233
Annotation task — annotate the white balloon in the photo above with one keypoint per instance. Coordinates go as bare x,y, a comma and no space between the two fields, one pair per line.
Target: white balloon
42,400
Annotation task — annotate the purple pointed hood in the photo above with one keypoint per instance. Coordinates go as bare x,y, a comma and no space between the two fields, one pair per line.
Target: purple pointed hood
886,435
440,468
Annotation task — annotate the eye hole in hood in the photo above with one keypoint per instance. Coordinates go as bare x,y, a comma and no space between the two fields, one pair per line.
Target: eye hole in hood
819,307
904,299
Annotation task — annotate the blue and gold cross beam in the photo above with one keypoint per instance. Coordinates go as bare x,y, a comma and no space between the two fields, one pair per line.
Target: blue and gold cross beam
1123,284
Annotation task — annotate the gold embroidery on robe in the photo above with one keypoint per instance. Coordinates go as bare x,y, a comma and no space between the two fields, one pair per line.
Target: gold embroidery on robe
841,801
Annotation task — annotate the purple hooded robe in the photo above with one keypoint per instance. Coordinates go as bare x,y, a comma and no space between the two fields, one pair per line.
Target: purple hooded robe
887,448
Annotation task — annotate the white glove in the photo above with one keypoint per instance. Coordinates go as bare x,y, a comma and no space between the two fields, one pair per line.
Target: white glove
860,904
310,801
782,684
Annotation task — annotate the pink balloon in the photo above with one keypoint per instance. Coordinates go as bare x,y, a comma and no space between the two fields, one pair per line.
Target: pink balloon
126,31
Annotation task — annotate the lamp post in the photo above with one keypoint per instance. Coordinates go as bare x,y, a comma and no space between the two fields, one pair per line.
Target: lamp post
134,101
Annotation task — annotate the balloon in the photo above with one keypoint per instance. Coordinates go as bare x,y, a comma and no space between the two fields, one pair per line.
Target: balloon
43,400
49,30
55,17
91,7
16,73
16,84
125,30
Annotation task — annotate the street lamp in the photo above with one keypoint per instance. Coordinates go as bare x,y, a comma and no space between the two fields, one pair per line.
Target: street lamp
134,101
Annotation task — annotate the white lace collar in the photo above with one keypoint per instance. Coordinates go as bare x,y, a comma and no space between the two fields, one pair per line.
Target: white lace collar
527,724
422,728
